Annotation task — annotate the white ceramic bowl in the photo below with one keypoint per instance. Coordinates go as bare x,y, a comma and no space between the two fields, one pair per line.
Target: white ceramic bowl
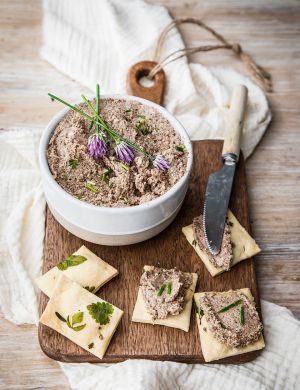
108,225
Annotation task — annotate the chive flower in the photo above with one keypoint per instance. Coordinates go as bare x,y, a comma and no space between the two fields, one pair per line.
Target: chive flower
97,147
124,152
160,163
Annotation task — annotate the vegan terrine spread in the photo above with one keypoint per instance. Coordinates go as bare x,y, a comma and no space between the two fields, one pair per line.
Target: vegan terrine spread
164,291
231,318
223,258
97,166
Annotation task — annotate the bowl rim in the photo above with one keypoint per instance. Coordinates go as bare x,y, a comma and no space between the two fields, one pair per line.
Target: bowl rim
45,170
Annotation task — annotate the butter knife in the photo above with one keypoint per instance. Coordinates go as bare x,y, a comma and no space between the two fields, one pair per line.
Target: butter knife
219,184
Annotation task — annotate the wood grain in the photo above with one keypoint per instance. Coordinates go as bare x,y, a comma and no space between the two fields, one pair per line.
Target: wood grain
269,31
155,92
169,249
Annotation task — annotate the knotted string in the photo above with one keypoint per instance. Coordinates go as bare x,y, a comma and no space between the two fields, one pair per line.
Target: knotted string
259,73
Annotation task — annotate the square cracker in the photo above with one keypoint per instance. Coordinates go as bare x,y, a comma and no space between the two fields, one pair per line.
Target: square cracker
180,321
212,349
244,245
94,272
68,297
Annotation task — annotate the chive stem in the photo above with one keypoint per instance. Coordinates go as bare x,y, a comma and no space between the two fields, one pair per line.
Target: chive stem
233,304
161,290
100,122
242,315
98,103
169,288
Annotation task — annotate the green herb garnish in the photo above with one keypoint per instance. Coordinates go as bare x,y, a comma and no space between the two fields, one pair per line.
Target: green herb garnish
90,289
125,166
128,110
101,312
200,312
161,290
73,163
97,105
105,177
76,319
169,288
194,243
90,185
98,119
71,261
230,306
180,148
242,315
60,317
146,131
222,325
91,345
141,125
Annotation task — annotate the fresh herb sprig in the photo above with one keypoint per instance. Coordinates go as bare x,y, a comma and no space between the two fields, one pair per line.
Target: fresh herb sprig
100,149
71,261
161,290
98,104
77,318
125,167
90,288
233,304
73,162
101,312
90,185
105,177
242,315
169,288
60,317
200,312
98,119
180,148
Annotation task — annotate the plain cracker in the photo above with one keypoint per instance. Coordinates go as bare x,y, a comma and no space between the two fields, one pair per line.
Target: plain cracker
68,297
94,272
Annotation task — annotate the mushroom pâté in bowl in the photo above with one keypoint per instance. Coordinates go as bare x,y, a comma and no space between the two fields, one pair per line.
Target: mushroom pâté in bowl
115,171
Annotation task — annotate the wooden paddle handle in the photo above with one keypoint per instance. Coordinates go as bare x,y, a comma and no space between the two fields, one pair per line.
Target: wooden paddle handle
234,125
155,93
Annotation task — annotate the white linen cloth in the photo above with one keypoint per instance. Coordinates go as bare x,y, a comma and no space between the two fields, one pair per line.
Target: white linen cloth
97,41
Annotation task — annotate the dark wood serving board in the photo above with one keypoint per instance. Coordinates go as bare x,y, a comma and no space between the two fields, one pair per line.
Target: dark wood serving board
168,249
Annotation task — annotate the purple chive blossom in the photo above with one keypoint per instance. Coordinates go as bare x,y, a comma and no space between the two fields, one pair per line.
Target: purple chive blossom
124,153
97,147
160,163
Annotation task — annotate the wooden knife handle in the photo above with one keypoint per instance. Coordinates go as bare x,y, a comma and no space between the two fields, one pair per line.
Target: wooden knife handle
234,125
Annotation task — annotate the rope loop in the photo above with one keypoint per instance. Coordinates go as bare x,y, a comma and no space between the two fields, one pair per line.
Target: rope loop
259,73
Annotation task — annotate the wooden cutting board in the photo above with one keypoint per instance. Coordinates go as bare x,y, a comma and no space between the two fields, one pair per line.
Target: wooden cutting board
168,249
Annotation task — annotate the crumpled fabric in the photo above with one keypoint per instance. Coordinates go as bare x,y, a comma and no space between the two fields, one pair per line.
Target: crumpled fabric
97,41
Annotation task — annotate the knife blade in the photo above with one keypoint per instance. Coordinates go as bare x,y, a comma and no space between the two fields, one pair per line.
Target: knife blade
219,185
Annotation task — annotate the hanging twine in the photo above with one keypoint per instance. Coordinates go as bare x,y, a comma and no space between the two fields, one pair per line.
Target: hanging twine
259,73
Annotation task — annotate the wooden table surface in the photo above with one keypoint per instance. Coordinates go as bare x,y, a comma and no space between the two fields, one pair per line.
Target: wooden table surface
268,30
